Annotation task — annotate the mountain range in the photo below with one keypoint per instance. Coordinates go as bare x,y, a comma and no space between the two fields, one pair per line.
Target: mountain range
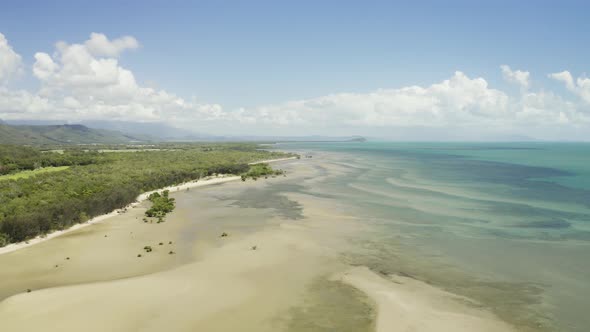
41,132
64,134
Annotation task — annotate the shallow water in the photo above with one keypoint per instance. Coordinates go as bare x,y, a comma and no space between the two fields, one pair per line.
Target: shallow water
506,224
332,306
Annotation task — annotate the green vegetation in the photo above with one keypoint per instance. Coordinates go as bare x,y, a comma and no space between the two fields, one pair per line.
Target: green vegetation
98,183
161,205
3,240
14,159
261,170
26,174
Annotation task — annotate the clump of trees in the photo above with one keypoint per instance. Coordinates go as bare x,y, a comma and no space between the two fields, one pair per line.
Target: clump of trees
261,170
162,204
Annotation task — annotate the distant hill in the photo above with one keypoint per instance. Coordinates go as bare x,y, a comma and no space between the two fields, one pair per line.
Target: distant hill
152,130
64,134
158,131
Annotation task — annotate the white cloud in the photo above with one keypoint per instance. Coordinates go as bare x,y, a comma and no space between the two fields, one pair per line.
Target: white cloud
580,87
546,108
459,103
85,81
100,45
44,66
10,61
79,79
13,103
522,78
458,99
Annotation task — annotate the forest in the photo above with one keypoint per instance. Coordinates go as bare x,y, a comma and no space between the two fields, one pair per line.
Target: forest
100,179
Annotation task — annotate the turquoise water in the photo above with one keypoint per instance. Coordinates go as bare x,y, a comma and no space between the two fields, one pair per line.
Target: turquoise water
507,224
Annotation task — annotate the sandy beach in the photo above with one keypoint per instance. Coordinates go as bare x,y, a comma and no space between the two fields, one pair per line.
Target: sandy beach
194,184
280,269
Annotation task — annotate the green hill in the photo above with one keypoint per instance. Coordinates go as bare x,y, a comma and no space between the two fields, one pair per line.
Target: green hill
64,134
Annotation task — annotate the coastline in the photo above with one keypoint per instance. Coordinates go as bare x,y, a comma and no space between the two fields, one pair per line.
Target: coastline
158,290
269,161
142,197
98,219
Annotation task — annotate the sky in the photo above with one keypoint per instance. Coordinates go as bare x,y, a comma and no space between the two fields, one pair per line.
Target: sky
420,70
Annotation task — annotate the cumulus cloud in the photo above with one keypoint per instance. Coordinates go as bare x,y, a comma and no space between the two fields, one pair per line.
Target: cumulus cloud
581,86
10,61
44,66
87,81
460,102
522,78
12,104
100,45
460,98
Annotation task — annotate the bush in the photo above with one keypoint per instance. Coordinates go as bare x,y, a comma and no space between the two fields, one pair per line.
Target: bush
161,205
260,170
4,240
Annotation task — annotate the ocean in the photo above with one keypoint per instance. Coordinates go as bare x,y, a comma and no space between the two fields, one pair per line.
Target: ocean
505,224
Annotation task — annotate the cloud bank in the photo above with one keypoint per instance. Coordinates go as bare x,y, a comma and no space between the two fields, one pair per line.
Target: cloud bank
516,76
85,81
10,61
580,87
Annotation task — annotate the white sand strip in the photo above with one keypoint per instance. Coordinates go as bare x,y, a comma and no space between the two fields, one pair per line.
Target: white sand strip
271,161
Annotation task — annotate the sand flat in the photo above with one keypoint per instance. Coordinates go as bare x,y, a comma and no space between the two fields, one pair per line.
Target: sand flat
230,287
405,304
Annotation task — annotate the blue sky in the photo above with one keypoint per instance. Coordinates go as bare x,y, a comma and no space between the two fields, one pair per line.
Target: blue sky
250,54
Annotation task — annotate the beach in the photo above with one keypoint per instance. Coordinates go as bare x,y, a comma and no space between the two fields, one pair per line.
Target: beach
283,267
211,180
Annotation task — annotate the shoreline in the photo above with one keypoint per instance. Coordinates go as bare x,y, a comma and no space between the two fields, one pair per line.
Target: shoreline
270,256
142,197
268,161
98,219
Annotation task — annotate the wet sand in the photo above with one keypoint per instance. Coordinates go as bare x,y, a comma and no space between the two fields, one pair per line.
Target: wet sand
406,304
214,283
